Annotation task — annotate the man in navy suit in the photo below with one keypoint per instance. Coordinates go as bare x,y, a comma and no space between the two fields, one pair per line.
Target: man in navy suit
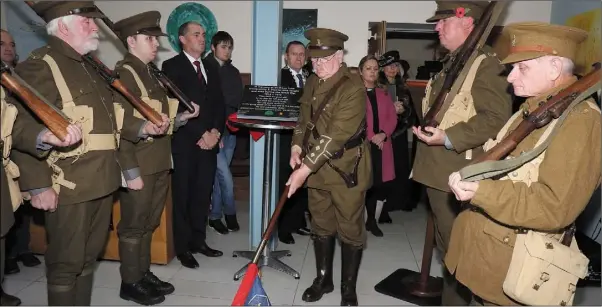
195,145
292,219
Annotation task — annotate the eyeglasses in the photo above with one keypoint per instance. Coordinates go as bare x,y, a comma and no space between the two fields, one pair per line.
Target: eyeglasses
323,60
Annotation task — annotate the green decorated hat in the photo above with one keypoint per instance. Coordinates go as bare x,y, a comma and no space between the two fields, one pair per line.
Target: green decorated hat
187,12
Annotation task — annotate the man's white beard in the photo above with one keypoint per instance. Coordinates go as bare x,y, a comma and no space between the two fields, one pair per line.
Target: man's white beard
91,43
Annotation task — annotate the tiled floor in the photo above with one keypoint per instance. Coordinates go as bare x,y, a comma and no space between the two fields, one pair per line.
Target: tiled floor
212,284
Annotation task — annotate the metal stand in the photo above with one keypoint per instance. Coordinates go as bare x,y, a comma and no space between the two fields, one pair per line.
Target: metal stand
269,258
418,288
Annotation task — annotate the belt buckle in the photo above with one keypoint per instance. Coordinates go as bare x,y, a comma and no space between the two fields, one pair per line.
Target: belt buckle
311,126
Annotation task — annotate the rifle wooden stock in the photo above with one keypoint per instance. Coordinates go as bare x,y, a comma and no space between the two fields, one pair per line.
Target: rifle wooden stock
168,84
112,78
548,109
55,121
461,63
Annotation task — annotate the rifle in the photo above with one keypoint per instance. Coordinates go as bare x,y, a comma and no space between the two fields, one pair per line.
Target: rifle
113,79
456,74
53,118
178,94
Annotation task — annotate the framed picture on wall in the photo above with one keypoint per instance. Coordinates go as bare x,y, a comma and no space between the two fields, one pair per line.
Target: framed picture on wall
295,22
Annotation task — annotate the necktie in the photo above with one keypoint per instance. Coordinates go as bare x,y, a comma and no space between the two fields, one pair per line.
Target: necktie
199,72
300,78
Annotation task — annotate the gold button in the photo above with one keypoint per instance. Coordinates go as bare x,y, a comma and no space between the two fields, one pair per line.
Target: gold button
314,98
514,174
506,239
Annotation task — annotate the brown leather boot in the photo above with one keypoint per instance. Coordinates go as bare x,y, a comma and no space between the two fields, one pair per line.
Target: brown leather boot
324,251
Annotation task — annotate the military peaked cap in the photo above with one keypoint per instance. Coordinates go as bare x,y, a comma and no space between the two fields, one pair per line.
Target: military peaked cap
446,9
144,23
324,42
530,40
50,10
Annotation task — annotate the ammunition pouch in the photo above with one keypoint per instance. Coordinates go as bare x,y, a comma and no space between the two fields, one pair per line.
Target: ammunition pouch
83,115
9,115
154,103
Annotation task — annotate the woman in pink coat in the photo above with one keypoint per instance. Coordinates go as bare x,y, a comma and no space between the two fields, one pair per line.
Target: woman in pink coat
381,120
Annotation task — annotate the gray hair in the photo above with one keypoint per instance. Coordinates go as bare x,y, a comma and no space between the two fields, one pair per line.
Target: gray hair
568,67
52,27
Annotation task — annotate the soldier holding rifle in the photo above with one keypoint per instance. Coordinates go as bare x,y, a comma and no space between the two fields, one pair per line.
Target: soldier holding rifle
146,163
78,229
547,193
25,134
477,112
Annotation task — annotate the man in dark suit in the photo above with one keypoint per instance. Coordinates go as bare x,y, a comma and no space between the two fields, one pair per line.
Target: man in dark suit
195,145
292,219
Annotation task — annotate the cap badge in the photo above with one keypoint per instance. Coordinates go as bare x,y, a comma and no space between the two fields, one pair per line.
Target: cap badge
318,42
513,40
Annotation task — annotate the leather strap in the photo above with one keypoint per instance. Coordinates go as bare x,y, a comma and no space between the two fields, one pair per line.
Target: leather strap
311,125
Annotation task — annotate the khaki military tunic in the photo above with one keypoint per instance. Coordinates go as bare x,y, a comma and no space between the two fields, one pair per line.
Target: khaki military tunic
86,88
154,154
335,208
480,250
493,105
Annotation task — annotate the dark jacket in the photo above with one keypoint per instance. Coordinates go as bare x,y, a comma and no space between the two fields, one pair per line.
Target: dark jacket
232,86
209,98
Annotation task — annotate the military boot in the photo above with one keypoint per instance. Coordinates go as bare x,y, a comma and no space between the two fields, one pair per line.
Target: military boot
8,300
161,287
351,257
61,295
324,251
140,293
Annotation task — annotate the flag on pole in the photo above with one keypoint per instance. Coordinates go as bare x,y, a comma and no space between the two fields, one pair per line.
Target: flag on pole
251,292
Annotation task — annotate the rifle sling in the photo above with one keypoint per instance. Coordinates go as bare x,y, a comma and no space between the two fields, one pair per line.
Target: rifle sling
497,10
488,169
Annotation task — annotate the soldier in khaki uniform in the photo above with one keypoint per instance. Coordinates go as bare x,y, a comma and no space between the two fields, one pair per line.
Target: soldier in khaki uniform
480,108
22,133
547,193
336,164
85,176
146,163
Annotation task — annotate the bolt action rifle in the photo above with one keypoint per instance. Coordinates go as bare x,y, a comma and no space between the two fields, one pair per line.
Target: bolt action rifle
113,79
50,115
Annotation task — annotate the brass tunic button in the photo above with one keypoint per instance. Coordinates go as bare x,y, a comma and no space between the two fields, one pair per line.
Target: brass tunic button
514,174
314,98
506,239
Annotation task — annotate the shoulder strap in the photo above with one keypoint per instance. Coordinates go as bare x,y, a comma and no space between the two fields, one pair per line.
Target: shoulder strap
490,169
60,82
137,79
472,73
311,125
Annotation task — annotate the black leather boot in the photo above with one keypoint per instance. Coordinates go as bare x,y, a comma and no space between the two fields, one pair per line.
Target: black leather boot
351,257
140,293
162,287
232,222
324,250
8,300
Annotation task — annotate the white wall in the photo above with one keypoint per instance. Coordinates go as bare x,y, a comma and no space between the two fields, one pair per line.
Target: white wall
234,17
352,17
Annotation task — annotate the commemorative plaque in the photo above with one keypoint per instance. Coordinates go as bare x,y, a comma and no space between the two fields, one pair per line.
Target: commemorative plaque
265,102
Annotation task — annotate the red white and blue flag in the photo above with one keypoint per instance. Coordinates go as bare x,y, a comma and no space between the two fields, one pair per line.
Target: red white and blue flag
251,292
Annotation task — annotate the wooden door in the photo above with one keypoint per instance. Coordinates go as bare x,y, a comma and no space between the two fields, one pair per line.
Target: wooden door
377,43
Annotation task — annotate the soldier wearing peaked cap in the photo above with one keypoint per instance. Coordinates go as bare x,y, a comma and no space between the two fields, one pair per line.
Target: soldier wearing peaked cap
331,133
146,163
78,229
547,193
477,112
